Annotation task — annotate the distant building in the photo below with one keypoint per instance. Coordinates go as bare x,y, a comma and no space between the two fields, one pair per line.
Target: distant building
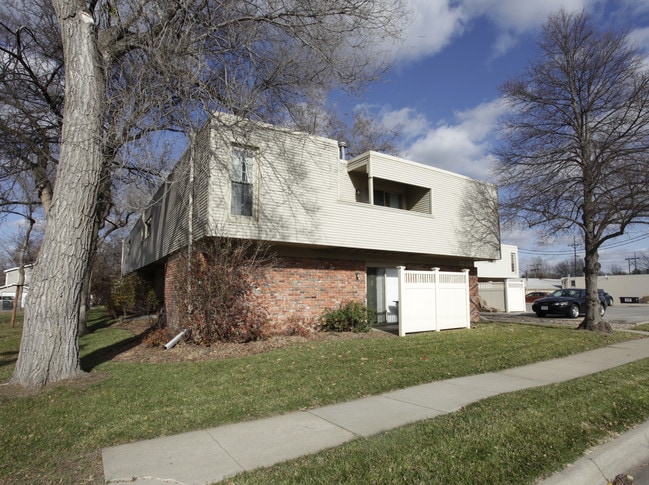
632,286
12,277
499,285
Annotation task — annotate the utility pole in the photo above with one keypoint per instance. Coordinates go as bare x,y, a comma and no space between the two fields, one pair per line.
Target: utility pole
635,263
535,268
574,262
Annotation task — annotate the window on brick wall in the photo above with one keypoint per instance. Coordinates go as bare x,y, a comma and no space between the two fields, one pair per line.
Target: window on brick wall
242,177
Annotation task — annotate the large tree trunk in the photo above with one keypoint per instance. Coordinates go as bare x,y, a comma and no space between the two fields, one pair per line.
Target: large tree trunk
593,320
49,350
84,305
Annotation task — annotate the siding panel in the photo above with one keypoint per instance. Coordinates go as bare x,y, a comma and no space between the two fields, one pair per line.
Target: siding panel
304,194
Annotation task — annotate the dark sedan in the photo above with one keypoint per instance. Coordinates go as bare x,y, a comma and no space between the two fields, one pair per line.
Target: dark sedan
570,302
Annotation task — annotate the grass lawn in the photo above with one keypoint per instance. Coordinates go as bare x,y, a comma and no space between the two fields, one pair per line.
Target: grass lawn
55,436
644,327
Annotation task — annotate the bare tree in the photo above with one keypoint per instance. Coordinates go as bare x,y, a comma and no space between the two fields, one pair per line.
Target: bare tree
31,97
575,151
358,129
616,269
538,268
567,267
168,64
480,221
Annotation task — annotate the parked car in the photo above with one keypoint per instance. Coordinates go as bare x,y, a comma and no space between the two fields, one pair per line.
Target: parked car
570,302
535,295
607,298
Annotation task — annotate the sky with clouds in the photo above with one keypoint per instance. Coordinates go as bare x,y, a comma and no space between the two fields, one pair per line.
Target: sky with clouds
443,96
443,93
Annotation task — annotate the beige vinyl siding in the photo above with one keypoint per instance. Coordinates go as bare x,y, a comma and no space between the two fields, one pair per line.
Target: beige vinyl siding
168,212
305,194
422,200
294,174
346,186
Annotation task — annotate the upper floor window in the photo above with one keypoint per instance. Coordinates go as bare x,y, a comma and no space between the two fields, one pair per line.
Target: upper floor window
387,199
513,261
243,165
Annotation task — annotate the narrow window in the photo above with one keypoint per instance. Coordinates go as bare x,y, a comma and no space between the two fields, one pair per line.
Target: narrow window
146,228
242,182
513,260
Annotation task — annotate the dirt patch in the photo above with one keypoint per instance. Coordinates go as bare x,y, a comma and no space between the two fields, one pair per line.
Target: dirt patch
138,351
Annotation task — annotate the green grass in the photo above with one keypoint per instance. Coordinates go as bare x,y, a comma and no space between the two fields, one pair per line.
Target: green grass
512,438
644,327
56,435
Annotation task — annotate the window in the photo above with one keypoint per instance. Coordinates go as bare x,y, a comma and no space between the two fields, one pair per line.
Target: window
146,228
242,181
387,199
513,261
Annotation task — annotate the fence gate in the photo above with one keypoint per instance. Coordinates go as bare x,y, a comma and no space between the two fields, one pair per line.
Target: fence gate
433,300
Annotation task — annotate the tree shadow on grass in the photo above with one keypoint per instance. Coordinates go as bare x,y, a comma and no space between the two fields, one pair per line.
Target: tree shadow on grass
109,352
8,358
97,321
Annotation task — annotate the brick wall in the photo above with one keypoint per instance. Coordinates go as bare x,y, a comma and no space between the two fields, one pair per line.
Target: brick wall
175,273
301,288
474,298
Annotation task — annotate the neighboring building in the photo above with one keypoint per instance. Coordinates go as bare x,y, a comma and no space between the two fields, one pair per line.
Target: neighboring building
547,285
499,285
340,227
506,266
12,277
627,288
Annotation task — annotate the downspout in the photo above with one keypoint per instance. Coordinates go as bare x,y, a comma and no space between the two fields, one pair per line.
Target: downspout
190,219
175,340
190,203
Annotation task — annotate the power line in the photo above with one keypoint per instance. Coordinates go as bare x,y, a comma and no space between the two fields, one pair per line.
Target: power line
635,262
569,252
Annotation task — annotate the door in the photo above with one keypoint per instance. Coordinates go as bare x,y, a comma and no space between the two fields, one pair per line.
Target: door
383,293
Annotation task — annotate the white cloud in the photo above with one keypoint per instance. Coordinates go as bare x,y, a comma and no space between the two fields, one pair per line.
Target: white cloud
640,38
434,24
517,16
407,121
461,146
437,22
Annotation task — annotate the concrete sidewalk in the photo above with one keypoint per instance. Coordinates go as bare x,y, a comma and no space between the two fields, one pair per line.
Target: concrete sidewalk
207,456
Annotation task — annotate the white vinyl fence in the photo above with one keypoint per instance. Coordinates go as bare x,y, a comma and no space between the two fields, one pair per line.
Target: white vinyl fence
433,300
515,295
507,296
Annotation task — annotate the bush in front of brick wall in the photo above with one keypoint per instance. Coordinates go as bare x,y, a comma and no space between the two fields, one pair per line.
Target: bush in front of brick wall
219,287
353,316
131,295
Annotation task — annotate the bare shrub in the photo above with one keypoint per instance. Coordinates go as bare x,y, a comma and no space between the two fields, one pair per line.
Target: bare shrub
220,291
298,326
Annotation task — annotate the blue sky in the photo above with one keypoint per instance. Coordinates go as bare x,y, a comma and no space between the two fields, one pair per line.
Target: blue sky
443,92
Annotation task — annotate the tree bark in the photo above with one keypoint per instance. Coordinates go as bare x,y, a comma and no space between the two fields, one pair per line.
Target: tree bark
49,350
593,320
